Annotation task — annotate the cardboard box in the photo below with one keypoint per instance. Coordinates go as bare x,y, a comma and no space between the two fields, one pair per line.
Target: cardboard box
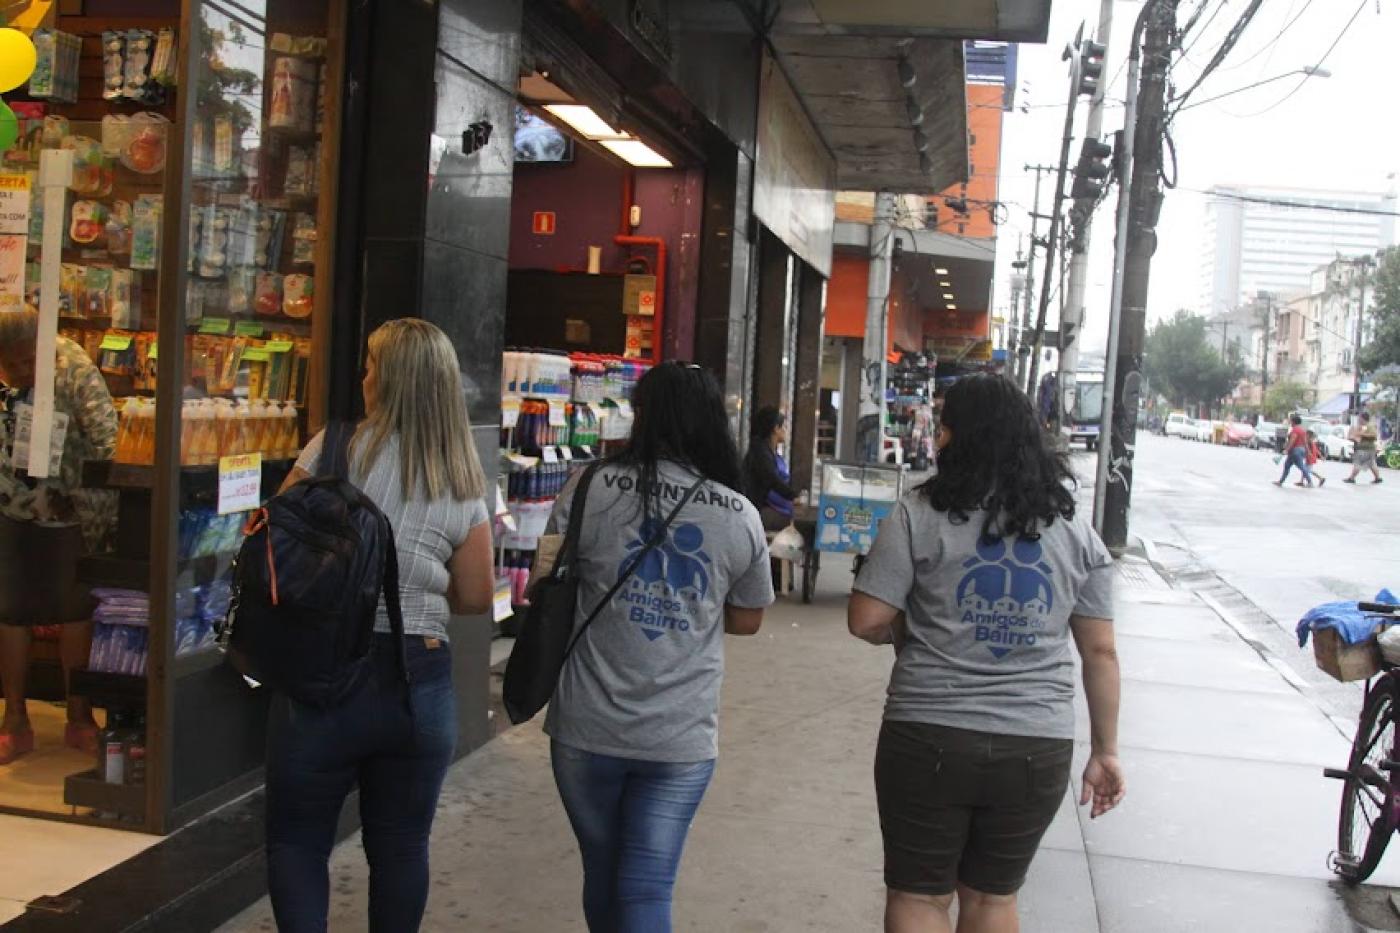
1342,661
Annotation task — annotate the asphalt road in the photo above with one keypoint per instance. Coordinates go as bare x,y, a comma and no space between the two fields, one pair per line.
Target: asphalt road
1287,549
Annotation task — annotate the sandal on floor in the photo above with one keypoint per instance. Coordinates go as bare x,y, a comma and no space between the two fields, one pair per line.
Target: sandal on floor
15,744
82,736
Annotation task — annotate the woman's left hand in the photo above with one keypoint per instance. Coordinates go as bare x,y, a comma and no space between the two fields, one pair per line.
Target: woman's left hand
1103,784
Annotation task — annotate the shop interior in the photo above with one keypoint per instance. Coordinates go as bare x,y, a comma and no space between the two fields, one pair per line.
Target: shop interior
605,222
196,222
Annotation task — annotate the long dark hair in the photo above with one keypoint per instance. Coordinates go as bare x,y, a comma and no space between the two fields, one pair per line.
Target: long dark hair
999,460
758,459
679,416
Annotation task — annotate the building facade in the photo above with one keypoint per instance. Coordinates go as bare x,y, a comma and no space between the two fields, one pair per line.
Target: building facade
1271,239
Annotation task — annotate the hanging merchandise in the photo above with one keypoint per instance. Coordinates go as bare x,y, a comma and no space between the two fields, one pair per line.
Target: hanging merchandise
298,296
92,169
144,146
113,64
55,74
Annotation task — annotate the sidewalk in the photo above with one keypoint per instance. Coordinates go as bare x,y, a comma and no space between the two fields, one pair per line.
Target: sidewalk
1227,824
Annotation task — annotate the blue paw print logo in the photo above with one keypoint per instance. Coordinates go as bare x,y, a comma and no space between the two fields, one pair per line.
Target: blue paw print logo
1006,593
669,581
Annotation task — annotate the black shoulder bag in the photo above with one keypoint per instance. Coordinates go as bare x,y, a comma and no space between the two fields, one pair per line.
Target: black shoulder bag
547,635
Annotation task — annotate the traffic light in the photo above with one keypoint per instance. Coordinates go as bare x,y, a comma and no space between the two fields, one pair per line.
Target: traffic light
1091,174
1090,67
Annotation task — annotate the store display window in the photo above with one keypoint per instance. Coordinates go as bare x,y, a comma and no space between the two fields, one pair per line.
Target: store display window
164,333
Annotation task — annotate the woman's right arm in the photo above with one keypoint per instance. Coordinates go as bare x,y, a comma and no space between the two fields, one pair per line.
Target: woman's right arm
1103,775
472,582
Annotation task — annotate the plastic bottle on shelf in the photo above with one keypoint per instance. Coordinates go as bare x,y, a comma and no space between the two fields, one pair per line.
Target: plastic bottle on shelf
144,451
224,428
291,431
243,428
122,454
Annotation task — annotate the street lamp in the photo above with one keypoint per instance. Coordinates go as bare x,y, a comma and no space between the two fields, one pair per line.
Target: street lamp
1308,72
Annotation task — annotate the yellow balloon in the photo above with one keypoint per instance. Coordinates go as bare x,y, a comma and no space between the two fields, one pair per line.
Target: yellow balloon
16,59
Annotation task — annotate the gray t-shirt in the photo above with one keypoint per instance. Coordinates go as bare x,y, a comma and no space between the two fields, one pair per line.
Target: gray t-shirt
425,535
644,681
988,624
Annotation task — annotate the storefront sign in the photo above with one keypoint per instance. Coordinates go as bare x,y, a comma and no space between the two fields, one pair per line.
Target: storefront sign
14,235
794,174
240,483
543,224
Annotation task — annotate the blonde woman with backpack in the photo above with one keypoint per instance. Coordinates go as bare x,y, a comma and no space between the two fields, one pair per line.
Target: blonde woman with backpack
413,456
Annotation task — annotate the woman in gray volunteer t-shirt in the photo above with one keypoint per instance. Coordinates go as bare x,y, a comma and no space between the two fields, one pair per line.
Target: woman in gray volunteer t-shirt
634,721
980,578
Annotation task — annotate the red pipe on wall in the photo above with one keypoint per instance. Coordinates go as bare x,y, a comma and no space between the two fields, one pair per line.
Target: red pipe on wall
658,318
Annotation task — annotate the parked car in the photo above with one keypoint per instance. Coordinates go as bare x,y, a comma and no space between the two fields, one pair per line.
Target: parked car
1201,430
1265,436
1334,442
1239,434
1178,425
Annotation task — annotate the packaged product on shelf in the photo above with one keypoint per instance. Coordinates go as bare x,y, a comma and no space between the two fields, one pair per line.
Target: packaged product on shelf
267,244
301,172
97,292
92,170
241,284
293,104
30,132
55,131
145,231
118,229
136,432
113,64
143,149
268,297
89,222
213,241
72,278
298,295
304,240
118,354
163,63
55,73
136,75
125,305
116,134
145,376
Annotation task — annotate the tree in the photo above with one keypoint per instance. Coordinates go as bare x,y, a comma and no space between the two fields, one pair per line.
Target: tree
1384,348
1284,397
1184,366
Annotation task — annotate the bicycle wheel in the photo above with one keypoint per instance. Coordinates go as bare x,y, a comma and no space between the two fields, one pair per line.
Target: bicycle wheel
1365,823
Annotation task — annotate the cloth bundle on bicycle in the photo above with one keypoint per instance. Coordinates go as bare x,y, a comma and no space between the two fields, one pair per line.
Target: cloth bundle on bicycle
1353,625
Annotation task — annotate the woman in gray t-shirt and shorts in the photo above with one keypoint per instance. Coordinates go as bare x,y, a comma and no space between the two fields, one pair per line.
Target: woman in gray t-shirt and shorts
979,578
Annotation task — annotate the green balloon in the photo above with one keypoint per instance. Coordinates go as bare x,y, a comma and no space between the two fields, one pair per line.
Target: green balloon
9,127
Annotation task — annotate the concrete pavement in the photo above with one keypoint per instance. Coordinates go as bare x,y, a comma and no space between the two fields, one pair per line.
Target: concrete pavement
1226,826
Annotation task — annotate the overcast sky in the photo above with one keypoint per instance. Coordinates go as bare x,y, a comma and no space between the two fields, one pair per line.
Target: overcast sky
1341,132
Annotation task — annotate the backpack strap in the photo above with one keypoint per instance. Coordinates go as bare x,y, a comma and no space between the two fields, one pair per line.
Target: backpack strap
335,449
657,537
392,603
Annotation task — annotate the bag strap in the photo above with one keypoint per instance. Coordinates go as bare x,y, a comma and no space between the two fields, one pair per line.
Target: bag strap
657,537
392,604
568,551
335,449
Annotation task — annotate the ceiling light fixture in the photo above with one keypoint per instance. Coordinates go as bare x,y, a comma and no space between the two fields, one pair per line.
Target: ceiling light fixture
940,271
948,296
583,119
595,129
945,284
952,307
636,153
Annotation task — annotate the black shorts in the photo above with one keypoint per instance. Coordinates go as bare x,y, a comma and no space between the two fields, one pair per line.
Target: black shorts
963,807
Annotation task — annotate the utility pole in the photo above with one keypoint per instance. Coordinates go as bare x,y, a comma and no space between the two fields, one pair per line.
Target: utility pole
1072,317
1056,213
1139,204
870,430
1023,347
1013,335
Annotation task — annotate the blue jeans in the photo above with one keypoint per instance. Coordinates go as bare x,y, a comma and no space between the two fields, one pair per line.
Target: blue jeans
1296,457
631,818
397,756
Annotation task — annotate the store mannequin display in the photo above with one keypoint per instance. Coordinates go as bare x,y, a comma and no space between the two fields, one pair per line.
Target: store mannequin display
81,393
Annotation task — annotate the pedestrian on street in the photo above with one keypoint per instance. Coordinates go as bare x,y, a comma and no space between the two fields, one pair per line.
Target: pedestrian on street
767,477
634,722
1363,457
1295,451
1314,456
414,457
979,578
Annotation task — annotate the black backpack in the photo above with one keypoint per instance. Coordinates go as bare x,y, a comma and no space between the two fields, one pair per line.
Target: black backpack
306,585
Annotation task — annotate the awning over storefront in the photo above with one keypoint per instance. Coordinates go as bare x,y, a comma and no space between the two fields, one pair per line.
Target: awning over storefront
1339,404
1008,20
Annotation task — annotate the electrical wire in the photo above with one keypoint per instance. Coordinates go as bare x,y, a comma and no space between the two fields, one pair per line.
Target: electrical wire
1289,24
1299,205
1231,38
1304,80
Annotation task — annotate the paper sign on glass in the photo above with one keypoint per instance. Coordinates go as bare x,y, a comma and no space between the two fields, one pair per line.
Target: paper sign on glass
24,429
240,483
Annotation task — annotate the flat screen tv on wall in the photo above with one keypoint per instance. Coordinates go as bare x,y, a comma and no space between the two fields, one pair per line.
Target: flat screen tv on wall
538,140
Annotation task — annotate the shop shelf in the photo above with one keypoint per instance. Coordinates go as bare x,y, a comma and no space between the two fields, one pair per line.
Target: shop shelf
107,689
111,475
88,789
135,574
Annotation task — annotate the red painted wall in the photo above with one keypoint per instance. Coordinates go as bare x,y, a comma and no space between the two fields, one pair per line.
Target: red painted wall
586,198
846,295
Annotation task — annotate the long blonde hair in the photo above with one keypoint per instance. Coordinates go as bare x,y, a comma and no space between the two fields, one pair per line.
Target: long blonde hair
419,397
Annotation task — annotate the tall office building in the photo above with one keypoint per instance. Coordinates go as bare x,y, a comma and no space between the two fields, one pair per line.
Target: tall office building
1254,243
